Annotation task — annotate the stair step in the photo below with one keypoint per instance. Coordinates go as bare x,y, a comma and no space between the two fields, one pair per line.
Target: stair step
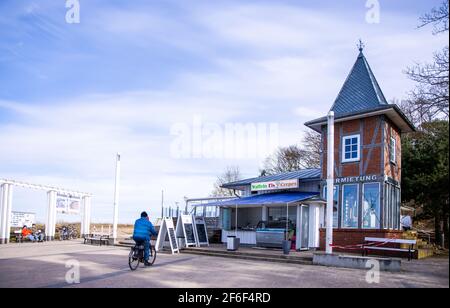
424,253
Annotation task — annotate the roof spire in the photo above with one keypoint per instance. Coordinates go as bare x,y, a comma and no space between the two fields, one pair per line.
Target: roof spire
361,45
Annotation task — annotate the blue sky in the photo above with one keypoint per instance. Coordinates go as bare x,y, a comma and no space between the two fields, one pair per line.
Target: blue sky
72,95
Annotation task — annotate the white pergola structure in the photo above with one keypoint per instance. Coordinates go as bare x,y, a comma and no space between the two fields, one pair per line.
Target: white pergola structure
6,193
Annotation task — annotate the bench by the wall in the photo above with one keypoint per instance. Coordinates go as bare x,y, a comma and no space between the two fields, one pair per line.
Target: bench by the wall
375,243
97,238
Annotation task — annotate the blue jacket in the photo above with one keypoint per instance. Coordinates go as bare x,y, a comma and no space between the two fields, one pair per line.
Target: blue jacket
143,229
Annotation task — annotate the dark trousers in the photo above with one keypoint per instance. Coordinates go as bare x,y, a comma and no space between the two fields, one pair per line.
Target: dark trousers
146,244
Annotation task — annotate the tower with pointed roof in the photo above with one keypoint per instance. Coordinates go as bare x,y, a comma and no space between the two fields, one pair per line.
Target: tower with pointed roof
367,157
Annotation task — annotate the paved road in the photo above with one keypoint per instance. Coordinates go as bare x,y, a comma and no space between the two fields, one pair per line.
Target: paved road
44,265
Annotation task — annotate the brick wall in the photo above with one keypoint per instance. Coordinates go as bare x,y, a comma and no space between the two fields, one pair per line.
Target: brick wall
372,143
346,237
392,170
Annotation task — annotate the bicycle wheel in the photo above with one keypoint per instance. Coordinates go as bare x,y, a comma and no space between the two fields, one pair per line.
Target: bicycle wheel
152,258
133,260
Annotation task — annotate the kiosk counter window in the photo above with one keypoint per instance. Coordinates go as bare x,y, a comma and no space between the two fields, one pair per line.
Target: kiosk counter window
279,214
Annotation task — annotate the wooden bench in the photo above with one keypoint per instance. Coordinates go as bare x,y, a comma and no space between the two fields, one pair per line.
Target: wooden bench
96,238
375,243
17,235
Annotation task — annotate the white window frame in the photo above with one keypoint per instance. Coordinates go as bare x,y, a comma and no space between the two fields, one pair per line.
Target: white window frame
392,150
343,206
358,157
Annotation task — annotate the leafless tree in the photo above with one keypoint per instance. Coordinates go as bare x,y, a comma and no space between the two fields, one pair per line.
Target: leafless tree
285,159
295,157
231,174
438,17
312,142
416,113
432,90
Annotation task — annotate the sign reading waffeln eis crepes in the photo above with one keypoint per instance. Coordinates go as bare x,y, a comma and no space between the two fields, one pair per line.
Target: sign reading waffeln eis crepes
274,185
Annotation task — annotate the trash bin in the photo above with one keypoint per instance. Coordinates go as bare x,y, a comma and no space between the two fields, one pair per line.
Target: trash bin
286,247
232,243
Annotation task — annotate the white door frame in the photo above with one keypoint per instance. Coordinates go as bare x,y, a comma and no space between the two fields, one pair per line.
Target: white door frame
298,241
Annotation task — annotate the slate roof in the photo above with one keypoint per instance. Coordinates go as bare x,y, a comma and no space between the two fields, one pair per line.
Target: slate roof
360,95
360,90
302,175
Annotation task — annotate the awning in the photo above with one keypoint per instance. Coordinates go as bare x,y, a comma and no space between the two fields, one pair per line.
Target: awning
268,199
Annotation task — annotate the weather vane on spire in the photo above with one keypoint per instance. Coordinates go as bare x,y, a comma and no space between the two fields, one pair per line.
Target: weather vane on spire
361,45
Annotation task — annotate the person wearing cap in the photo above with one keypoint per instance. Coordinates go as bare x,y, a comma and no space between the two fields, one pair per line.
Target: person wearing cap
143,230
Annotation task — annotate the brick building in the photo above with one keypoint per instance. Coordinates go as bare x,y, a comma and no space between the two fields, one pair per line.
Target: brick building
367,177
368,163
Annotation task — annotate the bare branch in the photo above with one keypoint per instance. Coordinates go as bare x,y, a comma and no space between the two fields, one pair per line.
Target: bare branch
231,174
432,90
438,17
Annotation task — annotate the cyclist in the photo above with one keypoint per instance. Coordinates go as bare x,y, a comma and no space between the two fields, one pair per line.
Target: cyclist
143,230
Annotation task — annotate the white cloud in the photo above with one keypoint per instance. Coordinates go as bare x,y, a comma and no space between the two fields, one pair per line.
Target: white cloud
262,63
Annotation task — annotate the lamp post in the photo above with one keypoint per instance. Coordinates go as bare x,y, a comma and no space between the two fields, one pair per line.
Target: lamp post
330,183
116,198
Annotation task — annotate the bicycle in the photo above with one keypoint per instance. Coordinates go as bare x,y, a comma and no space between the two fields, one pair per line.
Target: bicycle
136,256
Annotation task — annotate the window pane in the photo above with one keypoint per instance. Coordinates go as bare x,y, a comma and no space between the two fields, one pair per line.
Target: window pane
278,214
335,207
350,206
371,206
351,148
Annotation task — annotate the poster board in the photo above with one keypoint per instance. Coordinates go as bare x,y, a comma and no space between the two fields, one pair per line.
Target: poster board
62,206
73,205
67,204
20,219
202,231
167,230
186,230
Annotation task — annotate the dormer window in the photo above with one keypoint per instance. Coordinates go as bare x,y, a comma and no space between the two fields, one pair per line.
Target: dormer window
350,148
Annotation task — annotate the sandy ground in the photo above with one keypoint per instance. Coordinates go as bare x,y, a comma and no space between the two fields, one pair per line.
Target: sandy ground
48,264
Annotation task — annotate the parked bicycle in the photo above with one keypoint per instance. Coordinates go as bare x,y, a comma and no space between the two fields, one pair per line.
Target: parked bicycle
67,233
136,256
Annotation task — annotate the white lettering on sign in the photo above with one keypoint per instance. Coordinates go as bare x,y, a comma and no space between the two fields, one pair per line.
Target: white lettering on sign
354,179
273,185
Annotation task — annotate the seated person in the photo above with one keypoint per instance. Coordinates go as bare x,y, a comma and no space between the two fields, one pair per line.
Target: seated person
37,234
27,234
143,230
